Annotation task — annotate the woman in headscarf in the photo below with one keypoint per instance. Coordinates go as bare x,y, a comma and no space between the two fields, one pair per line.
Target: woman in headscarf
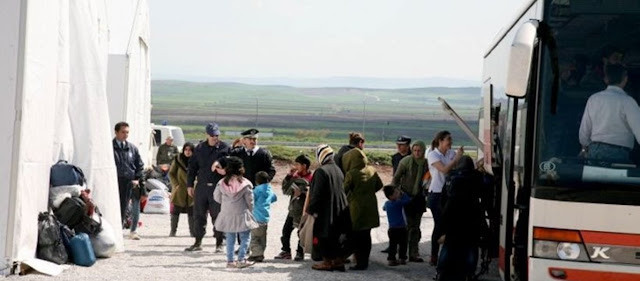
409,178
462,222
328,205
361,183
182,202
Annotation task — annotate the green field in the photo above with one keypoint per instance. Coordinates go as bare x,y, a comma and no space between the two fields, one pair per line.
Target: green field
313,115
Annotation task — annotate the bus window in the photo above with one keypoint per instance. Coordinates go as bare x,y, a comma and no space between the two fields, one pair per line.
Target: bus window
587,41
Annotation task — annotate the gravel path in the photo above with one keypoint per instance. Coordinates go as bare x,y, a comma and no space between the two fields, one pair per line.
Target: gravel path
158,257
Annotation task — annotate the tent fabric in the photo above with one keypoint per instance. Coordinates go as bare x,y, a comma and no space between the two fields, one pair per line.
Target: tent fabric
53,75
129,71
88,105
9,45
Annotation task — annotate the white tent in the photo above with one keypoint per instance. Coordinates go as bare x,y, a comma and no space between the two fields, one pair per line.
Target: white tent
53,82
129,71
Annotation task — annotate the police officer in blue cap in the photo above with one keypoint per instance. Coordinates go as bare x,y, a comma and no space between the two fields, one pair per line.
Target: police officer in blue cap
255,158
204,155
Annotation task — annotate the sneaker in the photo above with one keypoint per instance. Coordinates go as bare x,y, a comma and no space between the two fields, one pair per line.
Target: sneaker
244,264
299,256
219,249
193,248
283,256
134,236
231,265
393,263
256,259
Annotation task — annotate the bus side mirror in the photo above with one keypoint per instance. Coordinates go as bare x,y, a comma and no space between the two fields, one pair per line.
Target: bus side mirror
520,59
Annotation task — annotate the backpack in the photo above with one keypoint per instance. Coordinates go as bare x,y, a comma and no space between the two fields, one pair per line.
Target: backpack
88,225
63,173
50,245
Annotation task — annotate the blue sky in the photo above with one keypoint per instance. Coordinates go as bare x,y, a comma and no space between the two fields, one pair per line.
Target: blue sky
325,38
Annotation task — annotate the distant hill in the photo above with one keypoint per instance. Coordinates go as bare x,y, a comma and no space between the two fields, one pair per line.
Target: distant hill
345,81
287,110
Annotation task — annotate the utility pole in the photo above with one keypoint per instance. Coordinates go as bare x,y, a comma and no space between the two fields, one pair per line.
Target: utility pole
256,112
364,113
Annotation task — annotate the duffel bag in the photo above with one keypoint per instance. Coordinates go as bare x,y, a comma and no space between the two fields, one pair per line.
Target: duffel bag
82,251
63,173
71,212
50,245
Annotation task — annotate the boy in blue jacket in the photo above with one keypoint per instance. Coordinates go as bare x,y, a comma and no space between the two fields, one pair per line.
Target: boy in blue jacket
398,235
263,197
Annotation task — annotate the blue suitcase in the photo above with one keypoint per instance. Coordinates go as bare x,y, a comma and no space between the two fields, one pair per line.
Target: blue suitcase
82,251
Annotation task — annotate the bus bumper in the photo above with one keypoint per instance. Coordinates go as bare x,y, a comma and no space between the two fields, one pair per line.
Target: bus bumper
554,270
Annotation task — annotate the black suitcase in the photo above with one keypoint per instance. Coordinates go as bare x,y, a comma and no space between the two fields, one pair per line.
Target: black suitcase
71,212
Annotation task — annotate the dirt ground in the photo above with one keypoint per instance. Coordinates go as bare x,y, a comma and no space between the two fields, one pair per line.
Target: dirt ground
159,257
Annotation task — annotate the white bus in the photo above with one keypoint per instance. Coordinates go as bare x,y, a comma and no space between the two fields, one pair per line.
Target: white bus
562,216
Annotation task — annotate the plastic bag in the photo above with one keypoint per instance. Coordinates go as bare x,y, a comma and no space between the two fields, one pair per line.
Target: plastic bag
50,245
104,243
157,202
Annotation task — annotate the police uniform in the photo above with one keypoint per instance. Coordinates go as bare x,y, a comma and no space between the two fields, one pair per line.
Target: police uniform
256,160
395,159
199,172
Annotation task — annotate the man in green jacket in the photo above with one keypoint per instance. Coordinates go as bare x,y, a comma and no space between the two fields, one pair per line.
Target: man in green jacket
166,152
409,178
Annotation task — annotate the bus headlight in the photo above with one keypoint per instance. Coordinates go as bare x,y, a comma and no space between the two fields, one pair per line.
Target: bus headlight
568,251
559,244
545,249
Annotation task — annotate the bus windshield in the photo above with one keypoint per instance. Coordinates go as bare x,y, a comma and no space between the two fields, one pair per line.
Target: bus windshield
589,153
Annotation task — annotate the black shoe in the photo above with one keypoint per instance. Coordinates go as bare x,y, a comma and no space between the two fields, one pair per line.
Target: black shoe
299,256
283,256
358,267
386,251
256,259
416,259
194,248
172,234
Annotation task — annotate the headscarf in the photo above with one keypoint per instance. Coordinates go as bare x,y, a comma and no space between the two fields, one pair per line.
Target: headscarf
324,153
420,163
184,160
465,164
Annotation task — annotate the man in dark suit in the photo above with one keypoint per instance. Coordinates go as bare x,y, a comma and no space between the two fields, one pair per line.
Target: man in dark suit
255,158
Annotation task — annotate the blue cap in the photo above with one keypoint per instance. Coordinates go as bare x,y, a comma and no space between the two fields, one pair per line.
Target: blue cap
212,129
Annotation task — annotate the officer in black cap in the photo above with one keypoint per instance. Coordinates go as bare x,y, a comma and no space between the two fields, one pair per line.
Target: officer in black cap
255,158
403,144
200,171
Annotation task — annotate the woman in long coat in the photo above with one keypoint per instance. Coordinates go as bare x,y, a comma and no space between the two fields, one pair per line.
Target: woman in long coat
361,183
182,202
328,205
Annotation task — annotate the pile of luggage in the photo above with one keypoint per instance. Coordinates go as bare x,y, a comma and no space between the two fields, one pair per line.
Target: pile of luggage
73,229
